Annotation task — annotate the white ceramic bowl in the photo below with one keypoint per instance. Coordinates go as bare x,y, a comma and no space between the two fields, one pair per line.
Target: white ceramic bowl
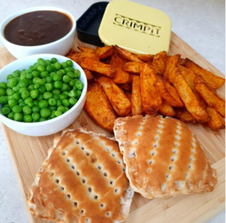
61,46
50,126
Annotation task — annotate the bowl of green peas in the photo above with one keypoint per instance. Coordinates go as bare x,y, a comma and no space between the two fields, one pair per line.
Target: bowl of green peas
41,94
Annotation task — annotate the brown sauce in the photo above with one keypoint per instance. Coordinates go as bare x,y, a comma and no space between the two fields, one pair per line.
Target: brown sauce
37,28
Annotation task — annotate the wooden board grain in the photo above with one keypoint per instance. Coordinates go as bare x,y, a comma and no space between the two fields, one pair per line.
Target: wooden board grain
29,152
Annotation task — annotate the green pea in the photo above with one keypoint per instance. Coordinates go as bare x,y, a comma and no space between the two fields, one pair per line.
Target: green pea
63,96
78,85
22,103
29,75
22,89
37,80
45,112
28,100
40,97
47,95
62,71
5,110
9,91
27,110
2,92
25,94
72,83
59,103
64,64
34,93
57,65
65,102
42,89
49,79
42,119
35,102
17,109
52,101
16,73
43,104
3,85
12,82
56,96
30,87
53,60
24,83
12,102
35,73
58,84
57,77
72,93
35,108
11,115
71,74
27,118
78,92
3,100
9,76
72,101
49,68
52,115
49,86
41,68
35,116
56,91
18,117
44,74
23,76
77,73
16,96
69,63
16,88
58,113
65,87
52,108
36,86
66,79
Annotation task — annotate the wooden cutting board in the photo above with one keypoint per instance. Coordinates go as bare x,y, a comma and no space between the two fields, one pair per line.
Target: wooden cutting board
29,152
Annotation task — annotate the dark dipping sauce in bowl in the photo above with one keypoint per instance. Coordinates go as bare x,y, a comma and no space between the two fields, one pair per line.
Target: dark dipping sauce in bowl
37,28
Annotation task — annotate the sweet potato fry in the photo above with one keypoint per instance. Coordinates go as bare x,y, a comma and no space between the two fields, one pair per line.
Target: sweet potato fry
71,52
116,96
168,92
216,121
159,62
136,104
189,76
127,55
188,97
145,57
99,108
86,49
126,86
99,67
150,98
166,109
212,80
171,63
209,95
184,115
78,57
104,52
120,76
88,74
133,67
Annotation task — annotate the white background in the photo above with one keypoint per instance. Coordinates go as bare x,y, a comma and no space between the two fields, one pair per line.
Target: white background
200,23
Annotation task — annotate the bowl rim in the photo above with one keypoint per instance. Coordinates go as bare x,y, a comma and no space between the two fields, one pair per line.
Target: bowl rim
33,9
36,124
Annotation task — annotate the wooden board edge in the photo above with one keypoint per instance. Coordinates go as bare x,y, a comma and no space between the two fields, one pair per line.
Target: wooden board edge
18,177
204,210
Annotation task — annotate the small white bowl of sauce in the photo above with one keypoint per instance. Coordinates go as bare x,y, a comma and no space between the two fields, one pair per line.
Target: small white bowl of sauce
38,30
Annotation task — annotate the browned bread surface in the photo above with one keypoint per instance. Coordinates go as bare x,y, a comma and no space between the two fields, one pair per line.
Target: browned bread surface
163,157
82,180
